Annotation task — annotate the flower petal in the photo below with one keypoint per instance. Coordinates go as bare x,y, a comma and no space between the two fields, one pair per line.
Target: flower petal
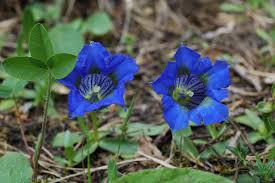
217,94
186,59
92,57
163,84
208,112
202,65
176,116
122,68
71,80
78,106
218,76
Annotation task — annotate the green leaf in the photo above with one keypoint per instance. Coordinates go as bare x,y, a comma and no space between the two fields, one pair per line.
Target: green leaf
19,45
61,161
232,8
69,153
6,104
214,131
98,24
28,23
61,65
178,175
264,107
66,139
141,129
40,44
25,68
84,151
15,168
245,178
271,154
254,137
3,38
66,39
185,145
215,150
252,120
11,86
269,8
123,147
112,171
263,35
185,132
273,90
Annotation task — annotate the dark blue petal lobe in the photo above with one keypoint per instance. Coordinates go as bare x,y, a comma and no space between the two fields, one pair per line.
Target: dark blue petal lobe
201,66
218,76
71,80
186,58
217,94
208,112
176,116
165,82
93,56
115,98
122,67
78,106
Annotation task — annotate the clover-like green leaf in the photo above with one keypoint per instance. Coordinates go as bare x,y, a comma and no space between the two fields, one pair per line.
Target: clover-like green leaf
25,68
40,43
98,24
66,39
15,168
61,64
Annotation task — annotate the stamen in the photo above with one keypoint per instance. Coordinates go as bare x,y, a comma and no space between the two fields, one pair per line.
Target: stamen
95,87
189,91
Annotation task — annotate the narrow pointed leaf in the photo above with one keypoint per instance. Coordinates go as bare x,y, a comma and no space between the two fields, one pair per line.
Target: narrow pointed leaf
112,171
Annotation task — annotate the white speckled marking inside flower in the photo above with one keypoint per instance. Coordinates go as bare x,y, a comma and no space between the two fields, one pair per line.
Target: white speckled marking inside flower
95,87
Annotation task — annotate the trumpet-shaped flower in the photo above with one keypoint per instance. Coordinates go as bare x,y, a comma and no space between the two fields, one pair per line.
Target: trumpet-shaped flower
97,79
193,89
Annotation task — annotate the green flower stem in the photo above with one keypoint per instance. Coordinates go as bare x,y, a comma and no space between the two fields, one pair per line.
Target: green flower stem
44,126
95,125
84,128
89,168
86,132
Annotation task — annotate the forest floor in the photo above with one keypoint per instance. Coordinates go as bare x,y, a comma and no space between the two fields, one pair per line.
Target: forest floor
154,29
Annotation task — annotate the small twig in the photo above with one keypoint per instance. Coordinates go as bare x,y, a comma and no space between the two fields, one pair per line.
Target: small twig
48,152
128,9
245,93
237,170
161,162
22,131
70,8
51,173
105,167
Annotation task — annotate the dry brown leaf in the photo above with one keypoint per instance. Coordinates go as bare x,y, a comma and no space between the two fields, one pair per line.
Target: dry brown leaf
148,148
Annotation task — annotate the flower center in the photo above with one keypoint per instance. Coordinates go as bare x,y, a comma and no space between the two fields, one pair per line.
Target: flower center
188,91
95,87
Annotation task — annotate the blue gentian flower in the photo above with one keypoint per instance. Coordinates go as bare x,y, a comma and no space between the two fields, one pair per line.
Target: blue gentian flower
97,79
193,89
